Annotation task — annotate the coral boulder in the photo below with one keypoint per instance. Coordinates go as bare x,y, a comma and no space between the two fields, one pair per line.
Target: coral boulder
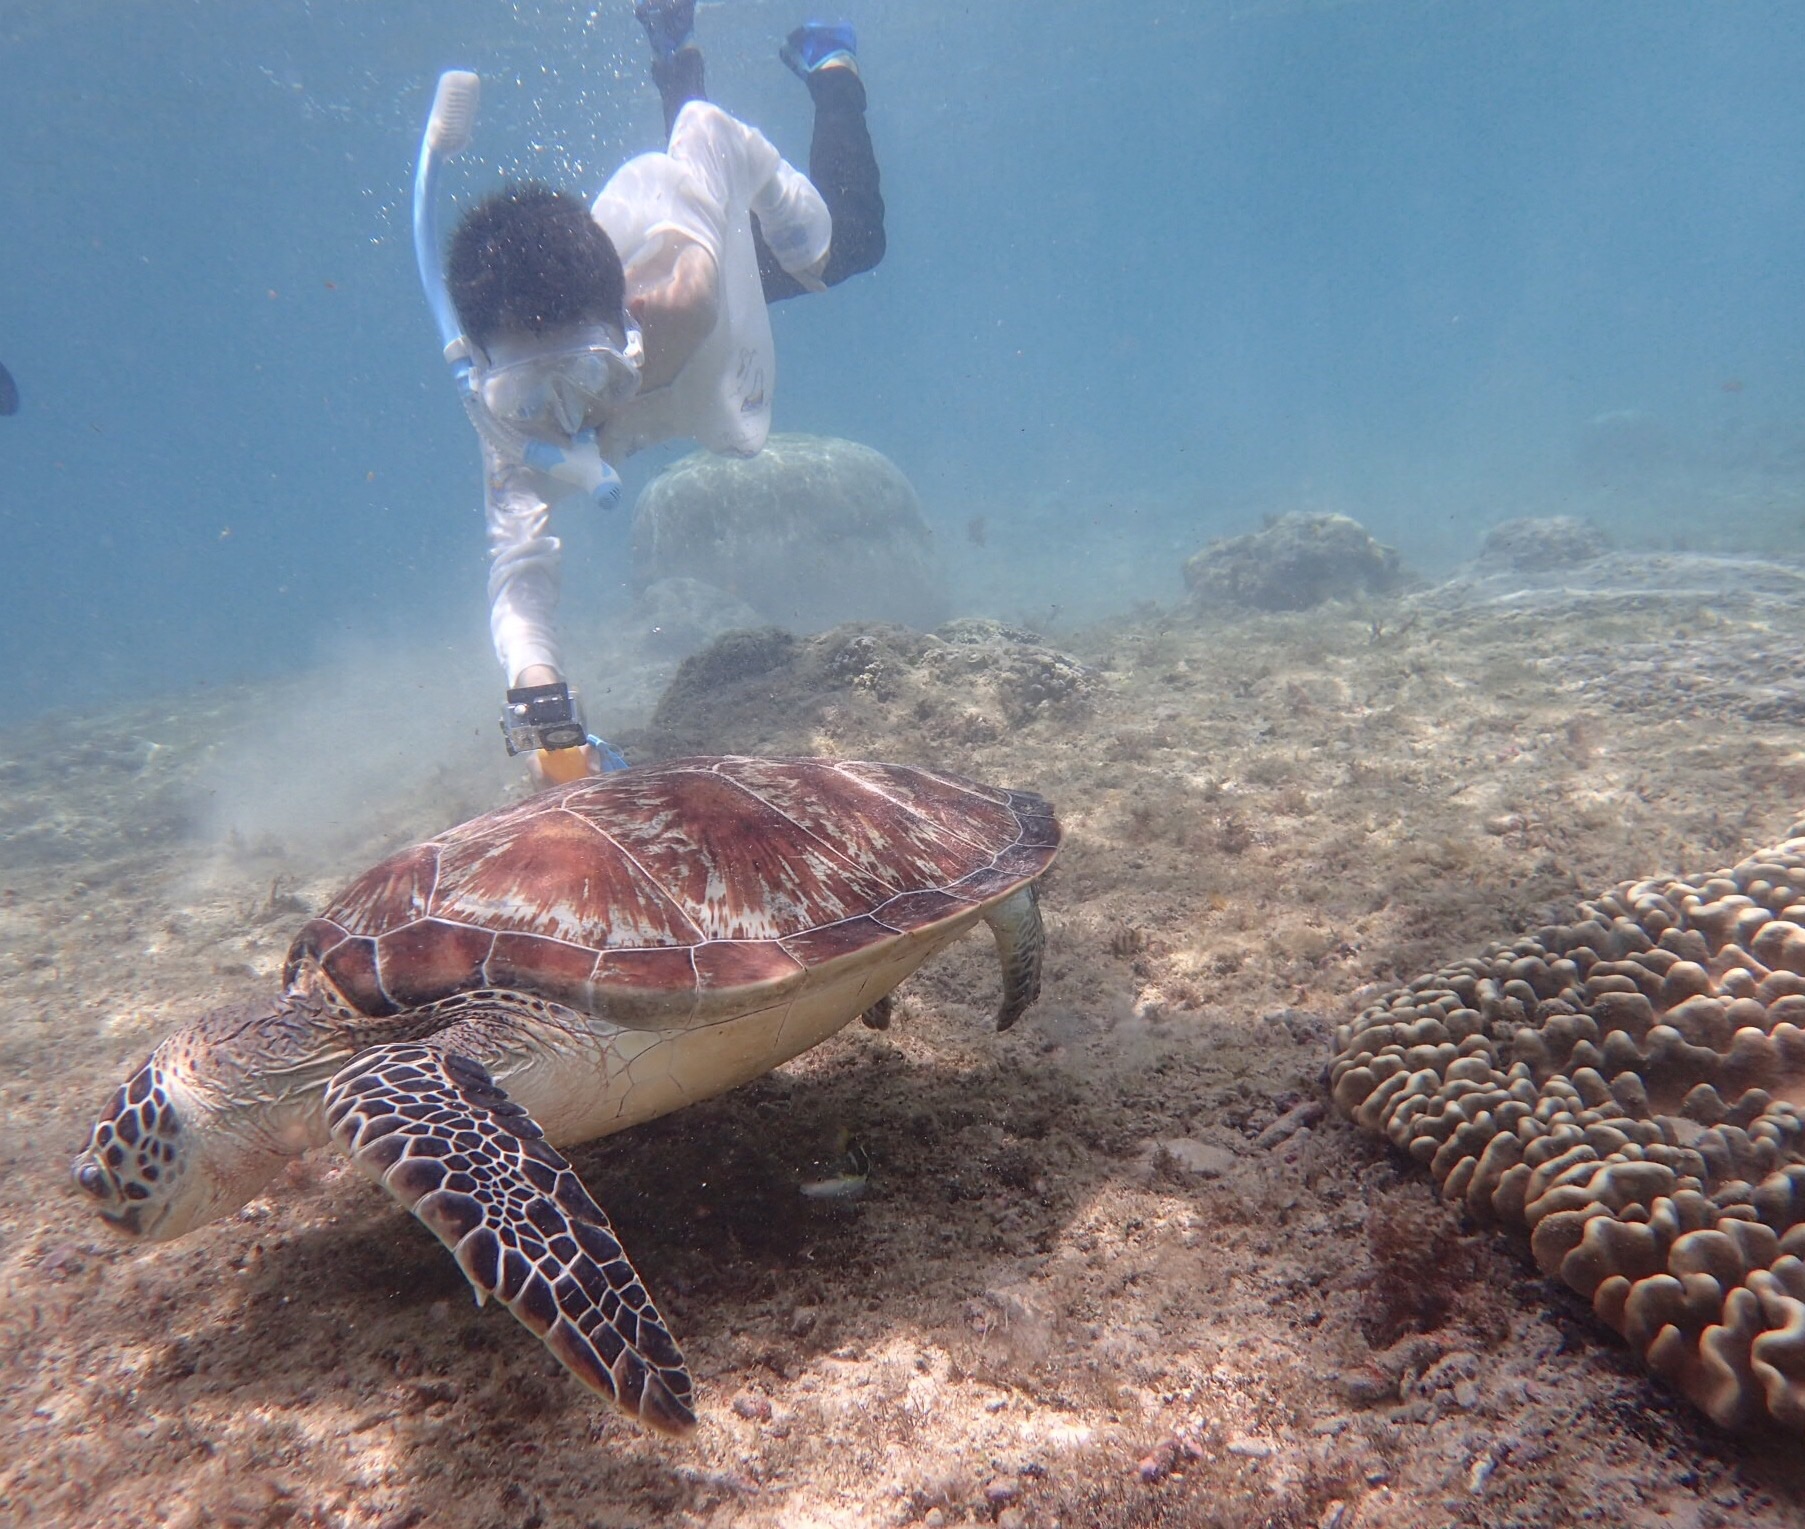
809,533
1294,563
1624,1089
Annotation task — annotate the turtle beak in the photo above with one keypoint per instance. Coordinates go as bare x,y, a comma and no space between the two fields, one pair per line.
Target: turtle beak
129,1220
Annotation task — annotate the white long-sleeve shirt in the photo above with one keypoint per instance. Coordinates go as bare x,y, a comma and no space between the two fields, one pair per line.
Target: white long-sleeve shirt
702,189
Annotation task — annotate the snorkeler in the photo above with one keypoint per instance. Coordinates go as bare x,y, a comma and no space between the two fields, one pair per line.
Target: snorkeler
580,335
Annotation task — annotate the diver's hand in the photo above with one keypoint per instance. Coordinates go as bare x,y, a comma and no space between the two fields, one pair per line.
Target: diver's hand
675,300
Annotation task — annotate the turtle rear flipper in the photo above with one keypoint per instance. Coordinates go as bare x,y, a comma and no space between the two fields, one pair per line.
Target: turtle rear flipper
1021,939
432,1128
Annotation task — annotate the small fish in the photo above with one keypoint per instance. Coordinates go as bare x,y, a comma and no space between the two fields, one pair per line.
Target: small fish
9,393
854,1173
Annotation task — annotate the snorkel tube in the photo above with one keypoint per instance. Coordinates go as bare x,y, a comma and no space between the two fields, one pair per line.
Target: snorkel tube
448,131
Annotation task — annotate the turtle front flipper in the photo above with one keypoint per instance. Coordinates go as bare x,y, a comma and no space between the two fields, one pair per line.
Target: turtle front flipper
433,1129
1021,938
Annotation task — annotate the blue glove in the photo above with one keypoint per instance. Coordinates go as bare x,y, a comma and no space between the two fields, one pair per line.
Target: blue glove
611,757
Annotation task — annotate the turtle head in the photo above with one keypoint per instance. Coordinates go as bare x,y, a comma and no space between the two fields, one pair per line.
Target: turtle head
177,1146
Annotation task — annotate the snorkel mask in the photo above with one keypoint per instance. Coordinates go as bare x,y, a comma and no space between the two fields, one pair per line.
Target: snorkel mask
530,403
554,389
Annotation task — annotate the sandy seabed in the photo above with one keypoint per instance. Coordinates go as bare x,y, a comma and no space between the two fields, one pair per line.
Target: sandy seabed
1116,1267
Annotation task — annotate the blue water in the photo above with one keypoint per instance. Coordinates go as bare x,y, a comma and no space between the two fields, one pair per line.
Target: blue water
1154,270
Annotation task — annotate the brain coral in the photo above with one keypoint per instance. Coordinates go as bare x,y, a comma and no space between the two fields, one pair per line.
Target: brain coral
1624,1088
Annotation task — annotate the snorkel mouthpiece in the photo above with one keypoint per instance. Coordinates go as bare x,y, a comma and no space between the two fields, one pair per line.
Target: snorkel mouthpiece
581,465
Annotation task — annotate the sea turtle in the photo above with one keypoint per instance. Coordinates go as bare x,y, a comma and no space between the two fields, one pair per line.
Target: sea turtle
556,970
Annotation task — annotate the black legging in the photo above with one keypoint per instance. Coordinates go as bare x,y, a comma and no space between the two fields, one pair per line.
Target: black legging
841,164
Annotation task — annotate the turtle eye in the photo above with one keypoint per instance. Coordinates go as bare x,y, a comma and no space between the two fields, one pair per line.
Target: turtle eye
91,1180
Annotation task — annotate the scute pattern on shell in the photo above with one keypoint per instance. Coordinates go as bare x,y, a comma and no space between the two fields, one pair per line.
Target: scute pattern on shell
704,877
1623,1088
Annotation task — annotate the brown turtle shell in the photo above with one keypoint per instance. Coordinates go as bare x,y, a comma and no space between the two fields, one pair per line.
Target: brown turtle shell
672,894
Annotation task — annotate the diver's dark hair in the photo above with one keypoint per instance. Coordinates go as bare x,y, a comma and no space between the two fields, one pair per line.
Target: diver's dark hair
531,258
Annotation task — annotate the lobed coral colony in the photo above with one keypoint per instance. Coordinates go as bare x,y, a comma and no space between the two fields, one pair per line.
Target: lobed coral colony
1623,1088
